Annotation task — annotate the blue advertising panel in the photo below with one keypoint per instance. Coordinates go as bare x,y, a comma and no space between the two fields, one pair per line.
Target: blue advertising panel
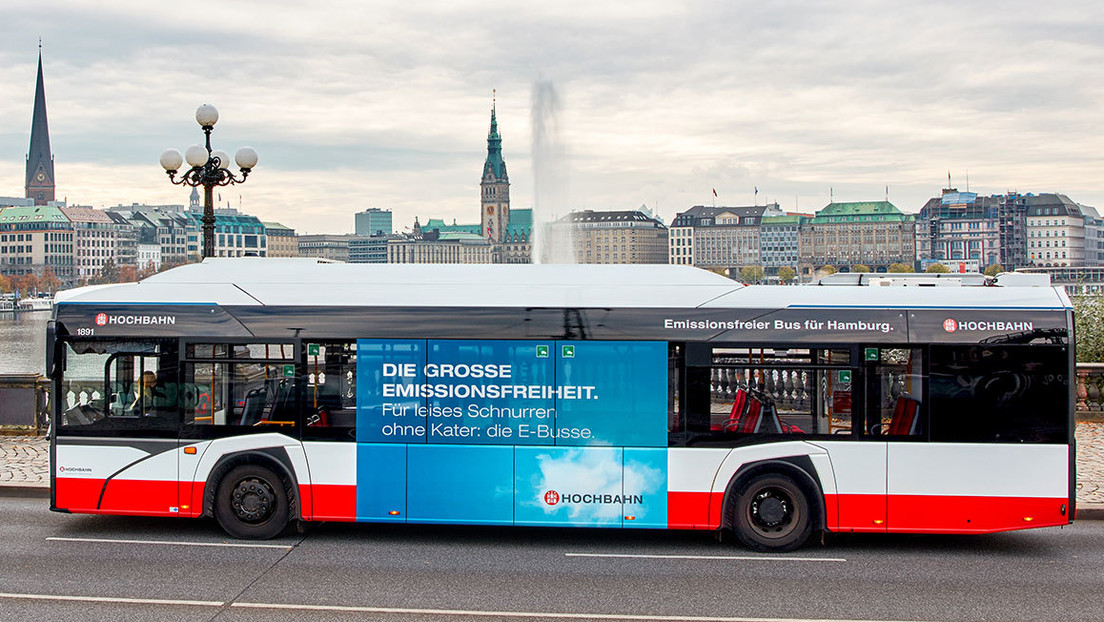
460,484
500,392
645,488
623,393
490,392
381,482
501,432
389,406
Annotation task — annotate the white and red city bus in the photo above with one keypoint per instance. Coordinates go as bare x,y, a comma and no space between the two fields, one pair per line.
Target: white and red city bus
263,391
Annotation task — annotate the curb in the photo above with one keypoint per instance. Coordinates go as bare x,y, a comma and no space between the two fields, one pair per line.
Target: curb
25,492
1089,511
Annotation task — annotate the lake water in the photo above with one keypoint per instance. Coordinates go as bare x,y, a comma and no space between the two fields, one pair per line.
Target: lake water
23,342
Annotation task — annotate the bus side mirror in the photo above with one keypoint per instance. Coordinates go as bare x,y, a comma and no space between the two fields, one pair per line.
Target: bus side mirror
51,337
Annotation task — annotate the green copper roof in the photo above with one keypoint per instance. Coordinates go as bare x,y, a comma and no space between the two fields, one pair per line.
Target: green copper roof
494,151
36,213
869,211
767,221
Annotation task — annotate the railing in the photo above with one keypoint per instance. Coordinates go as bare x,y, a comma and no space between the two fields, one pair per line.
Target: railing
24,401
1090,389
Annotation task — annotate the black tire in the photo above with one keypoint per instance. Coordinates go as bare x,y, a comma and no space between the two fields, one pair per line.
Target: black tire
251,503
771,513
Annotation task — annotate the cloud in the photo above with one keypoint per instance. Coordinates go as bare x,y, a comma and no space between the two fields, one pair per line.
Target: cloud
386,104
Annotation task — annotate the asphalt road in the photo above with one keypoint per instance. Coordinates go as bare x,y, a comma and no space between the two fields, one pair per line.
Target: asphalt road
56,566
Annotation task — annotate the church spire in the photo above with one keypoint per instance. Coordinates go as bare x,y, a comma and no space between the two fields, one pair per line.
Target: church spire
494,165
40,161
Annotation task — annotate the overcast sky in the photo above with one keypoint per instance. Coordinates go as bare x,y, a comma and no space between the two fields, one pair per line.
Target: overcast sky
356,104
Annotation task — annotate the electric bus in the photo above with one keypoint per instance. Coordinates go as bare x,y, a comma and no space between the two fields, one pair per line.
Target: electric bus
262,391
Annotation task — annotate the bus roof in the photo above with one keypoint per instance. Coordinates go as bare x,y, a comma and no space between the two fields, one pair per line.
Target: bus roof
258,281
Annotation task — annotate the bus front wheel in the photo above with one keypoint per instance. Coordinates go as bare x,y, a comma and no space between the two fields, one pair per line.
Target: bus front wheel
251,503
771,512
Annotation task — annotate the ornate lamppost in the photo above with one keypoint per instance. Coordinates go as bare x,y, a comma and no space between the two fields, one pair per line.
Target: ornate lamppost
208,169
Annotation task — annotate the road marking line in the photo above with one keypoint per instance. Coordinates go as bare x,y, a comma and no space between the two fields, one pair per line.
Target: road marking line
108,599
240,545
412,611
529,614
712,557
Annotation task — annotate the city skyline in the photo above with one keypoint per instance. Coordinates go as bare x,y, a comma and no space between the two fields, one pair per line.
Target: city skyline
384,106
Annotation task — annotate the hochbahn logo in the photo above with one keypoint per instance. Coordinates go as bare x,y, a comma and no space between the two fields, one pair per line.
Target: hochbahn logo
103,319
951,325
553,497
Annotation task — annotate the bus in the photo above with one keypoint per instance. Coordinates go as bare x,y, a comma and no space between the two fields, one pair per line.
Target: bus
262,391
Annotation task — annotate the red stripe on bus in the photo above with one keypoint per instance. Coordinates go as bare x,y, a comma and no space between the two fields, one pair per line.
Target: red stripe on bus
141,497
333,502
694,510
77,494
857,513
954,514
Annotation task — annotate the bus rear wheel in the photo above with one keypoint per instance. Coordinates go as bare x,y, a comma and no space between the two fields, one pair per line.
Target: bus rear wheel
251,503
771,513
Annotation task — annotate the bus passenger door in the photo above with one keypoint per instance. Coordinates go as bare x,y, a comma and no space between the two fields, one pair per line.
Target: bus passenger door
137,396
858,458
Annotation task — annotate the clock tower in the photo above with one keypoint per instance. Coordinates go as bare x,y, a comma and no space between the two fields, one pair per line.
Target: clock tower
40,162
495,188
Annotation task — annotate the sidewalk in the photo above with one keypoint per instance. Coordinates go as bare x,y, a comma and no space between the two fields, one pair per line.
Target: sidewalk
25,468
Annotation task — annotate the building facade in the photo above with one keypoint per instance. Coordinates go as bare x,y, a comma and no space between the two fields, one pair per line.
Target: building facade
779,239
34,238
236,234
613,237
716,237
94,240
282,241
1056,231
369,248
875,234
373,221
332,246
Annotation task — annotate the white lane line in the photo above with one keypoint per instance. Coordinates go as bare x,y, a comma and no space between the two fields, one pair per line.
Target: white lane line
108,599
711,557
239,545
529,614
413,611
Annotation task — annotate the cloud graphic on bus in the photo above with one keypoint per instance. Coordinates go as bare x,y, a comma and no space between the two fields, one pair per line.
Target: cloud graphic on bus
589,484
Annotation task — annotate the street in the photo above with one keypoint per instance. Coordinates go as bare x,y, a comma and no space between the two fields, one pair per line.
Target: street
58,566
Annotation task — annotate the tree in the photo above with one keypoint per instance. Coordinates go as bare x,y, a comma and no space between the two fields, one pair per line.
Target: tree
5,284
109,273
26,284
751,274
128,274
938,268
898,268
50,281
860,267
786,274
826,270
994,270
1088,314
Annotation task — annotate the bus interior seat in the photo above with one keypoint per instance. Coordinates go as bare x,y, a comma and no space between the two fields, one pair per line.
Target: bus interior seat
905,420
254,406
283,404
739,405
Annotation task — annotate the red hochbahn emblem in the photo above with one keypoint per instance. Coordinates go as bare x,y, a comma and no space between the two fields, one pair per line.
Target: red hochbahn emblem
551,497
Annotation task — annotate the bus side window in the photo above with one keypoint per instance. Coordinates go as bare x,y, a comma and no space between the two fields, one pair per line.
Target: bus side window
119,385
330,408
894,390
999,393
